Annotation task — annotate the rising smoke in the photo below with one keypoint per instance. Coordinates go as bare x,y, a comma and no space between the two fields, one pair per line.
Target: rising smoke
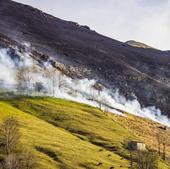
46,80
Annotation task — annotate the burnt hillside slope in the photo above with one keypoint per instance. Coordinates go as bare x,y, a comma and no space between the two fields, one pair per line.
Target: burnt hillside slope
143,71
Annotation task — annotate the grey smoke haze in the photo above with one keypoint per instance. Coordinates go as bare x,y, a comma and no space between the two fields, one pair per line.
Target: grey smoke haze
61,86
147,21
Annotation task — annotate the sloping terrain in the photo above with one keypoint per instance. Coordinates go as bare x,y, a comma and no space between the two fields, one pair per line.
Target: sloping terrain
71,135
85,53
58,148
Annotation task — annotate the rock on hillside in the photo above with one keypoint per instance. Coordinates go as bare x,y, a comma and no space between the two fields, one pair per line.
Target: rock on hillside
137,44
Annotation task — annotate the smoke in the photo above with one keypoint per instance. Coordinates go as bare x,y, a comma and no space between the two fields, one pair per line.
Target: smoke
7,68
46,80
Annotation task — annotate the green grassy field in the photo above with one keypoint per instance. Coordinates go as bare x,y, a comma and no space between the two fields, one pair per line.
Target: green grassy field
69,135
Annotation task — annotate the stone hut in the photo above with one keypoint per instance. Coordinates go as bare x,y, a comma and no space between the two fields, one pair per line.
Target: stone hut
135,145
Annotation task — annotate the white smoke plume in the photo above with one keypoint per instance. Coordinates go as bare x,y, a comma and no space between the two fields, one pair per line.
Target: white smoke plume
59,85
7,67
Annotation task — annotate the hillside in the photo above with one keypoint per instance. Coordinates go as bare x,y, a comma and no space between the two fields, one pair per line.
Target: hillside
83,53
71,135
81,99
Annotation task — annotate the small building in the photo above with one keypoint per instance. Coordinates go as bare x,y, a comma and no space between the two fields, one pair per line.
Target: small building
135,145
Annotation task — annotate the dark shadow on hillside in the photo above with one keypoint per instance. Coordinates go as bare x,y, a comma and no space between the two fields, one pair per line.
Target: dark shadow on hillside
53,155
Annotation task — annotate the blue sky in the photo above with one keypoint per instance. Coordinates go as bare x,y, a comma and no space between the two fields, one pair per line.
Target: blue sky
147,21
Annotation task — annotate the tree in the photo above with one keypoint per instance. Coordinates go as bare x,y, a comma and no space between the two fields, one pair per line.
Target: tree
19,161
11,155
50,73
56,79
131,159
29,161
163,141
145,160
99,88
23,79
9,135
159,141
11,161
62,83
38,86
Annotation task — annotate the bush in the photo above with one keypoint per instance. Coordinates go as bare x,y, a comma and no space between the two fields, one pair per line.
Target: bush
11,156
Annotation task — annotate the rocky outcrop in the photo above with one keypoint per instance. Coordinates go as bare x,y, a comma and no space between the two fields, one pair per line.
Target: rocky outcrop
137,44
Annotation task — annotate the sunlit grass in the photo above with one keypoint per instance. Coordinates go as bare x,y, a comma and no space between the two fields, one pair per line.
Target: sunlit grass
71,135
70,150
